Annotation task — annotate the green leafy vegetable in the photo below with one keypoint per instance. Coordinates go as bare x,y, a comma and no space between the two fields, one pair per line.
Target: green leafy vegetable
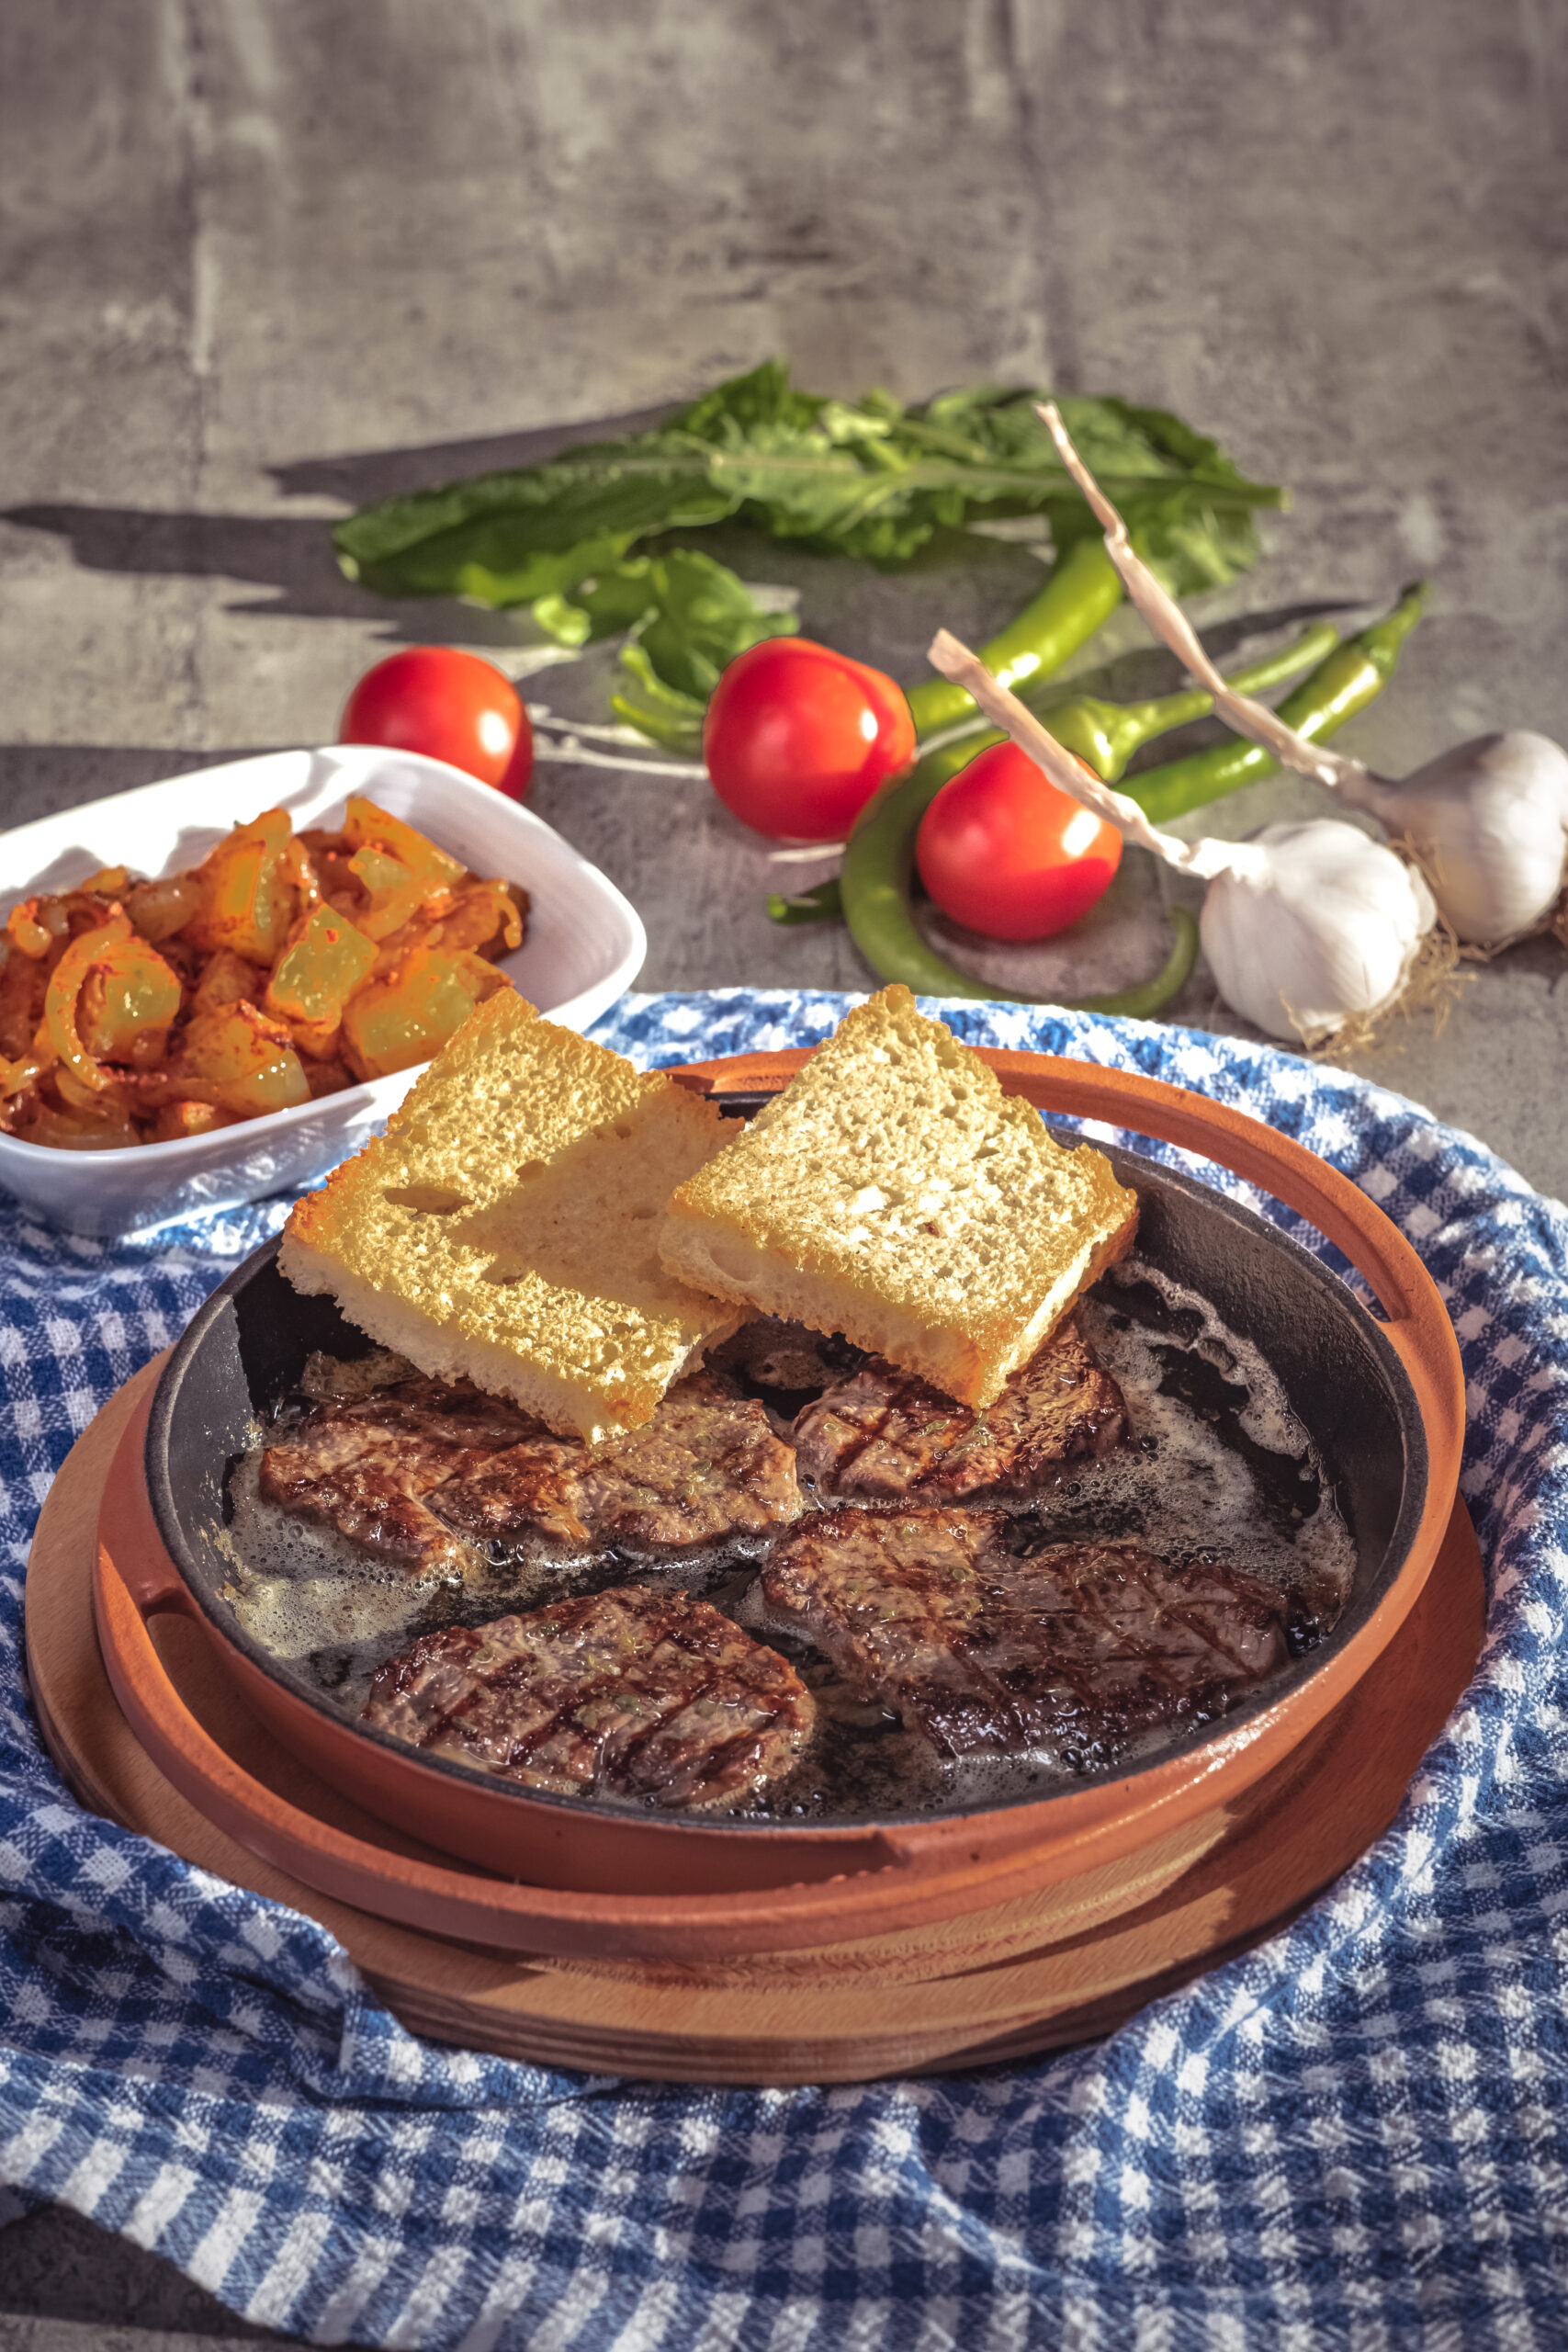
700,617
602,604
688,617
664,714
871,479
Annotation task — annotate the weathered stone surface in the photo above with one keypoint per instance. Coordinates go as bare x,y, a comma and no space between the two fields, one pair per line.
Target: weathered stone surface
261,265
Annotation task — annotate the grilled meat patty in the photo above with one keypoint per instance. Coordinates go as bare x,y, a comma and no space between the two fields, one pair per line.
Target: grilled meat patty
982,1646
632,1692
364,1465
409,1469
707,1466
884,1434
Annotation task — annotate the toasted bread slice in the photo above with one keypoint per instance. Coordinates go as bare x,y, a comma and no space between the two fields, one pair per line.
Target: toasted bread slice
893,1192
505,1229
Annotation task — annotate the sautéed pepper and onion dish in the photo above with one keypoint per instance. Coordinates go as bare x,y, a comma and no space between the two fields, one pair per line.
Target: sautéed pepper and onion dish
285,967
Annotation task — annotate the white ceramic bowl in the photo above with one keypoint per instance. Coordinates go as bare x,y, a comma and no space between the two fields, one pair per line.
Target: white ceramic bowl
585,947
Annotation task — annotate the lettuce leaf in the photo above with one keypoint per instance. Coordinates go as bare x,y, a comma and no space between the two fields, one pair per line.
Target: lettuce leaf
871,478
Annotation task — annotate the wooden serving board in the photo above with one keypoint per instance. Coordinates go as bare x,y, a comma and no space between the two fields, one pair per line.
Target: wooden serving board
1039,1972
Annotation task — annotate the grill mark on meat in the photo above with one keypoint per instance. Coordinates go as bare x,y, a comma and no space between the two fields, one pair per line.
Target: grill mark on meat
531,1485
707,1466
1136,1567
983,1649
835,1476
356,1481
363,1467
631,1692
884,1434
417,1471
929,1606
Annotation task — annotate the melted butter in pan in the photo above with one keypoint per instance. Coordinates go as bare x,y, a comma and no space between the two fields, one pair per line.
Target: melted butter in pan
1217,1463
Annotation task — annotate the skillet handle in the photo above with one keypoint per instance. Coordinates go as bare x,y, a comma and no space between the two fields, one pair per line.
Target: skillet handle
127,1528
1418,1328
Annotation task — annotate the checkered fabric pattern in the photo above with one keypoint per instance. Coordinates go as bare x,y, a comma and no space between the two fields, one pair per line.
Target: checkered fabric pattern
1356,2136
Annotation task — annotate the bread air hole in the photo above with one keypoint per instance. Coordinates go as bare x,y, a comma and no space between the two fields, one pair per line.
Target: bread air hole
734,1260
426,1200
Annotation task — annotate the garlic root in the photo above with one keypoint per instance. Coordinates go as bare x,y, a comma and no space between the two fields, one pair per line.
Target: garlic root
1327,934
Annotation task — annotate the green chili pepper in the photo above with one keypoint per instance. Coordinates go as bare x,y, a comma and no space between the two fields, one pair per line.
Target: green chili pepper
875,885
1107,734
1083,591
1352,676
1104,734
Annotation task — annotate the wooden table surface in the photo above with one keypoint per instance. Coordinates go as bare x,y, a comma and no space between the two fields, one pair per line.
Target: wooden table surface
267,258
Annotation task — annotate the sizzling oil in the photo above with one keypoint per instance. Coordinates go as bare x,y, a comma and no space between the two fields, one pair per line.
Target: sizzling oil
1216,1464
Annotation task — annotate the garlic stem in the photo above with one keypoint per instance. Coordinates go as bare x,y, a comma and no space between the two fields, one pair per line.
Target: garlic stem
1170,624
1488,820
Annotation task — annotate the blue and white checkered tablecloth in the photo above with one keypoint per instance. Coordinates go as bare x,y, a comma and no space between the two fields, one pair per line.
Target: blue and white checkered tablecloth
1355,2136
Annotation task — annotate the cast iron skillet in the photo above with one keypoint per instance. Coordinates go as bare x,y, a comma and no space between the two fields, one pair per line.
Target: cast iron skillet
248,1344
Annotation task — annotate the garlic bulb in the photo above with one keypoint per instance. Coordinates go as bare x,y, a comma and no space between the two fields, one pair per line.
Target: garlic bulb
1319,925
1306,928
1488,820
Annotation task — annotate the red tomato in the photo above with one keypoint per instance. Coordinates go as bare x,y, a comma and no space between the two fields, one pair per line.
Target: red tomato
1001,849
450,705
797,738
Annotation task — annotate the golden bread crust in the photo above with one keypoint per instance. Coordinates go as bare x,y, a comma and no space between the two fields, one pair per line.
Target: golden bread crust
505,1227
893,1192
